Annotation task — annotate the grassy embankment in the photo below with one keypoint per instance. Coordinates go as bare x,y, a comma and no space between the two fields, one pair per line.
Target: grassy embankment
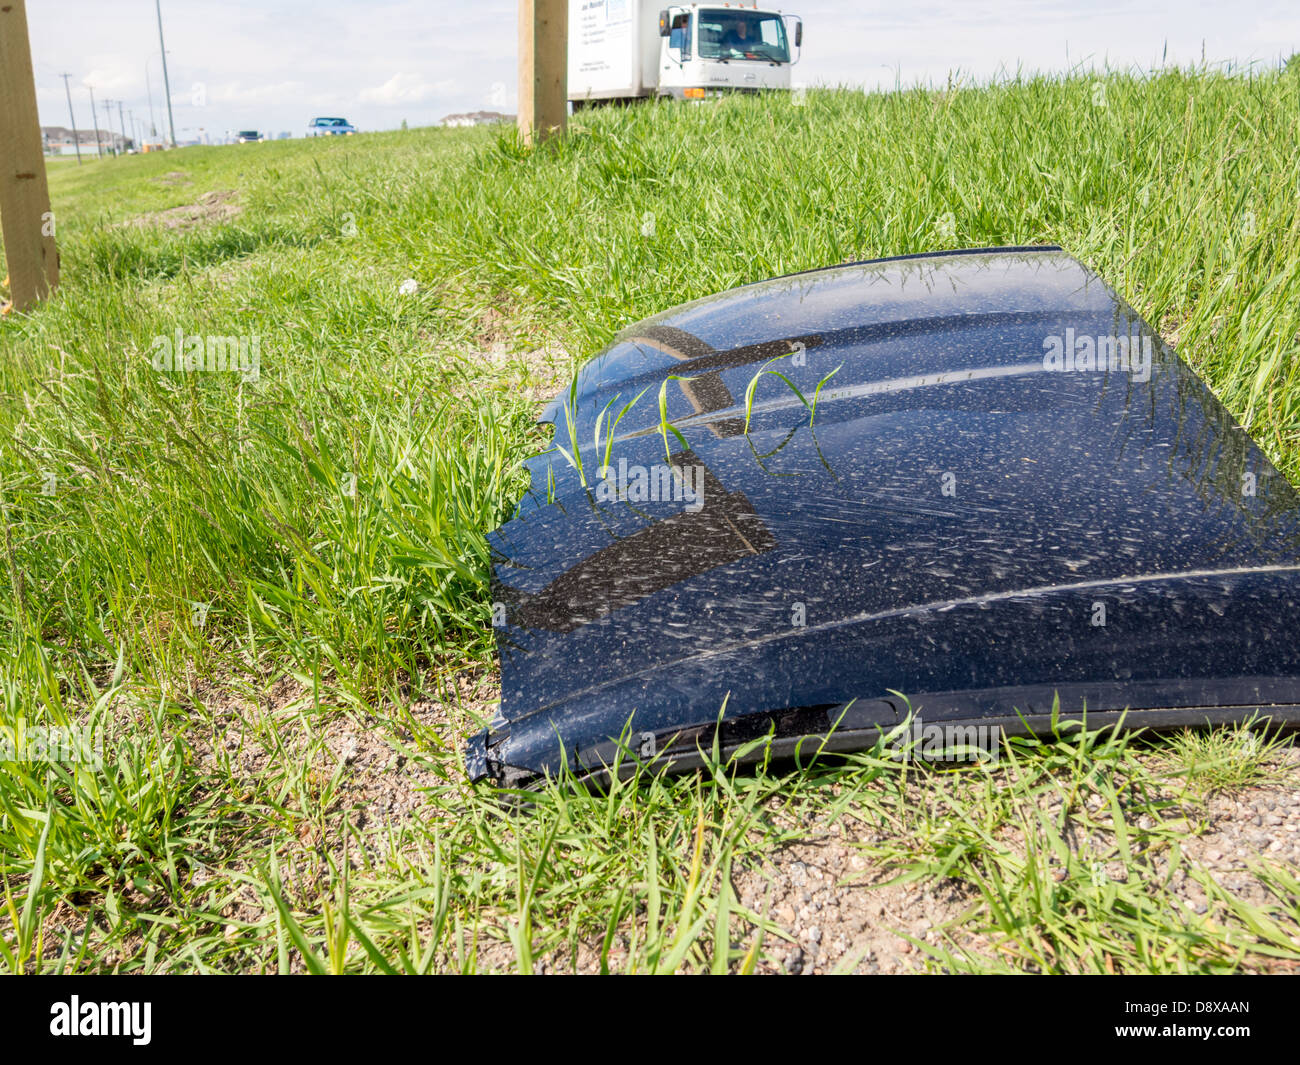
240,581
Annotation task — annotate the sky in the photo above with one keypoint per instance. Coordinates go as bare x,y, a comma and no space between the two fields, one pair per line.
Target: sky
273,65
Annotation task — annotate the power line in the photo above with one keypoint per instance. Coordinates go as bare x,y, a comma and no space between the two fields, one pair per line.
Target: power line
76,137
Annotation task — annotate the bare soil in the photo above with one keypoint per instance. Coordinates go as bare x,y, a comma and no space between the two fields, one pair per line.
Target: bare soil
209,209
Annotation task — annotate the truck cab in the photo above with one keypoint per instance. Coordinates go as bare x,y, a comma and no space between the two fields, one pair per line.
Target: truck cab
707,49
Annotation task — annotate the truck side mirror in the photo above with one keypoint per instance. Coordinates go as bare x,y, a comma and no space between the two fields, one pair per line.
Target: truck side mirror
664,23
798,34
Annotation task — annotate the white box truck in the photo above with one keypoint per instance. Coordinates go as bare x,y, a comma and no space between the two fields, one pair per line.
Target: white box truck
622,50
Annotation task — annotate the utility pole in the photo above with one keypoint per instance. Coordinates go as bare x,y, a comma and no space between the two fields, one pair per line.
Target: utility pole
167,87
99,151
130,124
76,137
108,125
543,68
121,125
148,87
26,224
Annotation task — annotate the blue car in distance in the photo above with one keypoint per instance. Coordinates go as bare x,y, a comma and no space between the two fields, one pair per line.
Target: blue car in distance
330,127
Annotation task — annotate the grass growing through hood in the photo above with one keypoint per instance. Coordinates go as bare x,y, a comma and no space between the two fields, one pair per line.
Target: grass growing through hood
230,576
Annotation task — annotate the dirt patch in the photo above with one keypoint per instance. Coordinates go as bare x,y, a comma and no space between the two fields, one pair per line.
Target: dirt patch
838,912
381,764
537,374
831,907
536,365
209,209
1242,830
174,177
832,910
541,372
493,330
381,784
377,776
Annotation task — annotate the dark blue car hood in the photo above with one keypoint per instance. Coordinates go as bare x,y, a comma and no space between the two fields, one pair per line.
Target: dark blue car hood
1008,491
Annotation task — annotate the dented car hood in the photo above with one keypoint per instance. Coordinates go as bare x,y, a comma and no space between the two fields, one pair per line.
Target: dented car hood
1007,491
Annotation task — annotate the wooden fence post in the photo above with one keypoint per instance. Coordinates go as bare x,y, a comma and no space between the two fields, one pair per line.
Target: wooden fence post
543,68
25,218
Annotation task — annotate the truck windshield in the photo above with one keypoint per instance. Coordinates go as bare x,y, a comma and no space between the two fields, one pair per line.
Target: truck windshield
733,34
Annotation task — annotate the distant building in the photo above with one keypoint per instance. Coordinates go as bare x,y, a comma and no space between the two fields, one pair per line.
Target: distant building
58,140
477,118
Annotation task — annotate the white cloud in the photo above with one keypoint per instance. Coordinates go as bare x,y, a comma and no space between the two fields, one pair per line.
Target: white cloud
238,94
404,88
112,75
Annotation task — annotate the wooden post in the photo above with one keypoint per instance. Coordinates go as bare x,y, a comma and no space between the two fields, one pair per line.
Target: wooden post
543,68
25,217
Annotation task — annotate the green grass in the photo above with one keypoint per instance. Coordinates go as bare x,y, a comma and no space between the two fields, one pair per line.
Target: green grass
175,545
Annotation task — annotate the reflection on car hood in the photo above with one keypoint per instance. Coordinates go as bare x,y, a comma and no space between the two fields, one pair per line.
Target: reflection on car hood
1007,490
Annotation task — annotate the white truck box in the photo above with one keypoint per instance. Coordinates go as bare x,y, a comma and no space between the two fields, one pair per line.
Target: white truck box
613,48
616,51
